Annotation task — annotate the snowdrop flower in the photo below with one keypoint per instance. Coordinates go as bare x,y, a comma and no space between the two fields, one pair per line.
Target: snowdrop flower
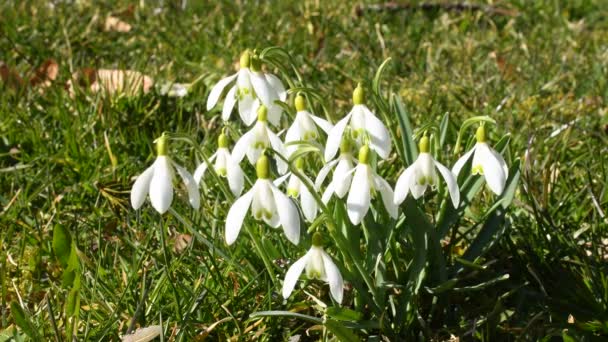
267,203
259,138
250,86
296,188
421,174
225,166
365,125
318,265
364,184
486,162
304,127
157,181
343,173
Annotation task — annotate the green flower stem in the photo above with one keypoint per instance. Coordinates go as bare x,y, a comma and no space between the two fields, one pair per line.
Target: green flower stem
258,245
168,269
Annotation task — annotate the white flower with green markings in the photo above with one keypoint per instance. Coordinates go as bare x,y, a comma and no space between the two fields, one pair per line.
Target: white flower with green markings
297,189
366,127
318,265
421,174
343,173
305,126
252,86
486,162
259,138
157,181
365,185
267,203
225,166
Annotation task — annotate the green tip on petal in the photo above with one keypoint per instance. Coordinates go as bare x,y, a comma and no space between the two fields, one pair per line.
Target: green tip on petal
245,59
262,167
299,163
359,95
222,141
300,103
364,154
423,146
481,134
317,239
262,114
162,145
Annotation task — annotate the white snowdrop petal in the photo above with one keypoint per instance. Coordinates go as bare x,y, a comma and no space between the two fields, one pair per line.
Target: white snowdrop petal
293,275
329,191
200,170
450,180
501,160
492,170
140,188
461,161
288,213
324,124
324,172
358,200
242,145
194,197
403,185
343,174
161,185
229,103
216,91
262,87
236,215
309,204
334,278
386,192
235,175
277,85
334,138
248,106
380,138
278,146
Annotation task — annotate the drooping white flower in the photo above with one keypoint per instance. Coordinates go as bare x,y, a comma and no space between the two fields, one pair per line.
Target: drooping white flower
259,138
318,265
365,183
252,86
157,181
486,162
225,166
421,174
267,203
297,189
304,127
343,173
365,125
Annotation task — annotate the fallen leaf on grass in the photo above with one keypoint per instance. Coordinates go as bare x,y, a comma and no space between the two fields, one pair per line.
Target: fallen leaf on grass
45,74
116,25
144,334
111,82
181,242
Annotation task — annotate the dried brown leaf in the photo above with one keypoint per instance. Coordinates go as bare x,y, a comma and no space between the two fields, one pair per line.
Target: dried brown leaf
10,77
112,82
114,24
45,74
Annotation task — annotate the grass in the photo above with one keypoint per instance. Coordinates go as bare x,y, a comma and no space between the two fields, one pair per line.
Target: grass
532,72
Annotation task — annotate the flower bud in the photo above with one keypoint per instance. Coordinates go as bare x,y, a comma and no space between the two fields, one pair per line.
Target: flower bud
345,146
364,154
481,134
162,145
423,146
262,114
245,59
222,141
358,95
262,167
317,239
300,103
